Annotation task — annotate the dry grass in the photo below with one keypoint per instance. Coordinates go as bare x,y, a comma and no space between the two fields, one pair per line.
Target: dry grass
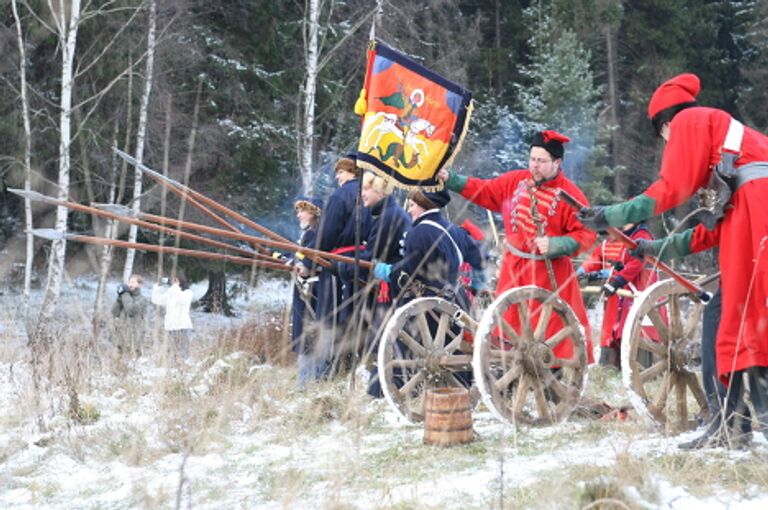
266,338
237,399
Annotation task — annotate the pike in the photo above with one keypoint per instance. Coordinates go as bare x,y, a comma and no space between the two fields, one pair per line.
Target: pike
692,287
39,197
202,202
286,246
54,235
126,214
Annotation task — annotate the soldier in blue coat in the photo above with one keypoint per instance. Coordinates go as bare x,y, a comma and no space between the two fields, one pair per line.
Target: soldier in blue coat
311,366
431,257
431,260
389,223
336,234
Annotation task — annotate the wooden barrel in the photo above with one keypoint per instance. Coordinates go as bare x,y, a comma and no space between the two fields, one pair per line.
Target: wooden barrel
447,417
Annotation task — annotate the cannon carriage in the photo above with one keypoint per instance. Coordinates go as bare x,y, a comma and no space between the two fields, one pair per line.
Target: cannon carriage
660,371
432,343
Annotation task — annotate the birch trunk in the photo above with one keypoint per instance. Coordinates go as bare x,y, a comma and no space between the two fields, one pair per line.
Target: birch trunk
164,190
106,250
188,167
141,135
306,140
68,42
27,155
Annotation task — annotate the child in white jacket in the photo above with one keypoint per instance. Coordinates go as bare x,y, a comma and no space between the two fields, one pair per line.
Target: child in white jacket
177,300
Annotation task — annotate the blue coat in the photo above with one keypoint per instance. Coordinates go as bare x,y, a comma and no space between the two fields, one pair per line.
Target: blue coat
337,223
430,257
389,222
300,313
337,230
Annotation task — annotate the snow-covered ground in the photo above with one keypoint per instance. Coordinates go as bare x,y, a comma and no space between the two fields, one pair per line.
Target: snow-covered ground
229,431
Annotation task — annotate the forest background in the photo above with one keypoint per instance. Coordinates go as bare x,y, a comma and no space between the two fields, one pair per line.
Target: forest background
252,100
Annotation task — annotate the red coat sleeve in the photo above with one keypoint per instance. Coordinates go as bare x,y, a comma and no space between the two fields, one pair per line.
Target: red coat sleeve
703,239
491,193
572,227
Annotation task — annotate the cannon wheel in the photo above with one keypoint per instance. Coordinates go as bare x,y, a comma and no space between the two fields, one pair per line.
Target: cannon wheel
661,387
418,351
520,379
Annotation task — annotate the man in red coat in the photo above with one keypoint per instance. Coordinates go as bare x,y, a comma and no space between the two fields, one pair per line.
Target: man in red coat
611,262
542,232
707,148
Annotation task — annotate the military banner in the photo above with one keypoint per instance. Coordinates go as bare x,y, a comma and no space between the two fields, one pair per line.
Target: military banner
414,120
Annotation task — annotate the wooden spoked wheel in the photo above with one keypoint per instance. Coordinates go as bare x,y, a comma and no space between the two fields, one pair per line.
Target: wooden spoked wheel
520,378
419,350
660,345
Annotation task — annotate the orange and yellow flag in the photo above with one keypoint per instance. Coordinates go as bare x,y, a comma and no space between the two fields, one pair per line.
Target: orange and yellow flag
414,120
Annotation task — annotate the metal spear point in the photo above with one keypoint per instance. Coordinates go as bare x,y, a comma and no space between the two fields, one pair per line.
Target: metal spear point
144,224
160,223
202,202
117,209
130,159
33,195
49,234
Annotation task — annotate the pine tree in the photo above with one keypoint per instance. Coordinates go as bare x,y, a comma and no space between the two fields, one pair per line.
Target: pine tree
560,93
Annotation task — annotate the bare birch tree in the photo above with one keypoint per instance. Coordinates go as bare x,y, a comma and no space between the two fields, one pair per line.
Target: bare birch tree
141,134
27,153
308,90
66,23
315,60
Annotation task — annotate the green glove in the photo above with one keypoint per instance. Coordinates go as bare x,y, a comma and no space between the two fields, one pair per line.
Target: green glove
636,210
456,182
561,245
666,248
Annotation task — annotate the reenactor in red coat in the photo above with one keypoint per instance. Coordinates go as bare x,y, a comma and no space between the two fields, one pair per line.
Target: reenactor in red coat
542,231
611,263
708,148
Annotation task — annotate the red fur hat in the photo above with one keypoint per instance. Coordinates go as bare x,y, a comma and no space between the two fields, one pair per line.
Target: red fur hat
683,88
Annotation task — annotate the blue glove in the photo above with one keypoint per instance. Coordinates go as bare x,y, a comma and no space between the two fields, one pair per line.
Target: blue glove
381,271
614,284
479,281
594,276
603,274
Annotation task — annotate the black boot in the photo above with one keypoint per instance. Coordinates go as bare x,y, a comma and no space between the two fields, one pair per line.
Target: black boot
719,436
733,432
609,357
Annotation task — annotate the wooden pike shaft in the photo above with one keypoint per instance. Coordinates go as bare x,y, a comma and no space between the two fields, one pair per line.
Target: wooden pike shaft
596,289
280,245
700,293
186,196
198,199
180,251
153,226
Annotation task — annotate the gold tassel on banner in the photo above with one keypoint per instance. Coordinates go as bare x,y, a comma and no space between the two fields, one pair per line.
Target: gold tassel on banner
361,105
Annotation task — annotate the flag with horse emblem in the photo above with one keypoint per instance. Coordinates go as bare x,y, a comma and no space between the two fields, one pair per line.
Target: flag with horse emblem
414,120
